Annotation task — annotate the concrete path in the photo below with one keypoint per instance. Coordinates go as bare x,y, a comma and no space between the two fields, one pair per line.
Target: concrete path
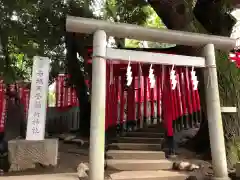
62,176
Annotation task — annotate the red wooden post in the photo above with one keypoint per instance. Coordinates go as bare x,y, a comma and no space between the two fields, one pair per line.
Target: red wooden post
145,101
122,101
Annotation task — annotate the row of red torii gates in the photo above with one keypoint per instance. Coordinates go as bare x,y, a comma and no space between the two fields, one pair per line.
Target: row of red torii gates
178,108
131,103
166,104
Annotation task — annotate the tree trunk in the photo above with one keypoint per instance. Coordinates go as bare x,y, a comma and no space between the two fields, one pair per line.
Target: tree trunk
77,78
120,42
78,70
199,16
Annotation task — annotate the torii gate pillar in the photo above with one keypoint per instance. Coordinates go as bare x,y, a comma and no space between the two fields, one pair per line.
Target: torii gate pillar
214,115
98,104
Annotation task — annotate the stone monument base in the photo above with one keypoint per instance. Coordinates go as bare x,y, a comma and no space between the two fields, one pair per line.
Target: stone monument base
25,154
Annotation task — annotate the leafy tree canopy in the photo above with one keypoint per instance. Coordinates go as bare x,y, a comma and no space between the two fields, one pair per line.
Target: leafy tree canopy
37,27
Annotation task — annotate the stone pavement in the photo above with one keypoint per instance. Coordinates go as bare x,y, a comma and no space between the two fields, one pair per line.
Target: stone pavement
60,176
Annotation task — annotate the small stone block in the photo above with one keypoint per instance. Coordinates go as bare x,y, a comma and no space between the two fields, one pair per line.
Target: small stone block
238,169
24,154
220,178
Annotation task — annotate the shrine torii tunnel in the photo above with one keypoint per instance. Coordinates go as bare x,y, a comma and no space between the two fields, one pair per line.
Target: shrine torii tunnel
139,105
102,29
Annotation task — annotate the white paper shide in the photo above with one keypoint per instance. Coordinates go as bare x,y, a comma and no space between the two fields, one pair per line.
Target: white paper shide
38,99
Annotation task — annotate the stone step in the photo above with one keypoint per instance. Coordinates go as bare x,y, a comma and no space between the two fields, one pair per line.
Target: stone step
148,175
145,134
156,125
128,154
58,176
138,165
152,129
148,140
135,146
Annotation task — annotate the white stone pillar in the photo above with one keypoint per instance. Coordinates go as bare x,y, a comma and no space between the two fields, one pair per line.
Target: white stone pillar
98,104
214,116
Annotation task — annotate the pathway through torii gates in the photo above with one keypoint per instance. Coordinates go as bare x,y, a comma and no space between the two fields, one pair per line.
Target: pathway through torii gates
139,104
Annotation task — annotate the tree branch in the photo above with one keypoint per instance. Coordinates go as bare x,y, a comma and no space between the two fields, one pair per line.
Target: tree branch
185,15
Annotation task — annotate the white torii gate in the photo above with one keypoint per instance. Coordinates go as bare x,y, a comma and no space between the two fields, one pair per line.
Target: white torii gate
102,29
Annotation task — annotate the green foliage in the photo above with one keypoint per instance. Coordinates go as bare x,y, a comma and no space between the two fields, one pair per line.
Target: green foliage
229,90
51,99
125,11
132,43
152,20
133,12
29,28
37,27
228,75
233,152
